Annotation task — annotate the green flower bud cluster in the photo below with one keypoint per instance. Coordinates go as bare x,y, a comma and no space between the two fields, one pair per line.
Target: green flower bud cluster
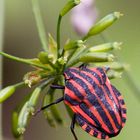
50,63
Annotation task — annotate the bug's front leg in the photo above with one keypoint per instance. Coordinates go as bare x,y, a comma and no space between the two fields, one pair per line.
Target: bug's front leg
73,125
106,68
57,86
84,65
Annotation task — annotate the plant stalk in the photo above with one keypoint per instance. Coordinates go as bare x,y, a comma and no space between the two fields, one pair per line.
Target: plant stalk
40,25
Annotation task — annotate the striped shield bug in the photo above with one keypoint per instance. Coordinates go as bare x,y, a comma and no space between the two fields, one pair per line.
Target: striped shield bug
97,105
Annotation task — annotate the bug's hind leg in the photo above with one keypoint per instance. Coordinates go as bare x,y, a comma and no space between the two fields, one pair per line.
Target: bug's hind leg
53,103
72,126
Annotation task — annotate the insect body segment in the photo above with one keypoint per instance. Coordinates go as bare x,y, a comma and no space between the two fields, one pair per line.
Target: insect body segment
98,105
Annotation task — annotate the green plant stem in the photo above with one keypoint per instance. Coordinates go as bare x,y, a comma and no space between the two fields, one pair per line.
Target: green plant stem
58,34
18,85
26,61
40,25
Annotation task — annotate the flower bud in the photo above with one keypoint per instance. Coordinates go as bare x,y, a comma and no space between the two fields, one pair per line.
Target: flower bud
32,78
96,57
105,47
52,113
62,60
103,24
23,119
56,114
8,91
113,74
46,58
47,112
43,57
70,4
73,44
33,100
14,124
75,56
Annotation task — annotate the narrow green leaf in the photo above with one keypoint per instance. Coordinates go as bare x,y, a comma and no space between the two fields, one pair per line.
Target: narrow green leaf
53,49
33,62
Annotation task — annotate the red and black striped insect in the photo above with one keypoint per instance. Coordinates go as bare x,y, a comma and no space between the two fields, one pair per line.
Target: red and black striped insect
97,105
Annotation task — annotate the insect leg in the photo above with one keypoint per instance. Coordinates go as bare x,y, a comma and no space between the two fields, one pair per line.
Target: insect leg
84,65
57,87
55,102
106,68
72,126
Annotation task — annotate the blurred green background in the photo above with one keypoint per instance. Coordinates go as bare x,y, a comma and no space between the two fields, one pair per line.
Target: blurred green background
21,39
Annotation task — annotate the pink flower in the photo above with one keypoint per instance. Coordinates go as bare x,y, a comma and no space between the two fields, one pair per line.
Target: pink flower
84,16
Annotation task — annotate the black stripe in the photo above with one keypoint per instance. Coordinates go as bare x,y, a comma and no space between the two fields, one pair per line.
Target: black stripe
116,91
94,74
88,129
88,70
70,100
103,136
81,121
107,105
123,120
92,100
98,78
124,110
100,94
71,87
104,77
95,133
122,102
85,109
108,92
